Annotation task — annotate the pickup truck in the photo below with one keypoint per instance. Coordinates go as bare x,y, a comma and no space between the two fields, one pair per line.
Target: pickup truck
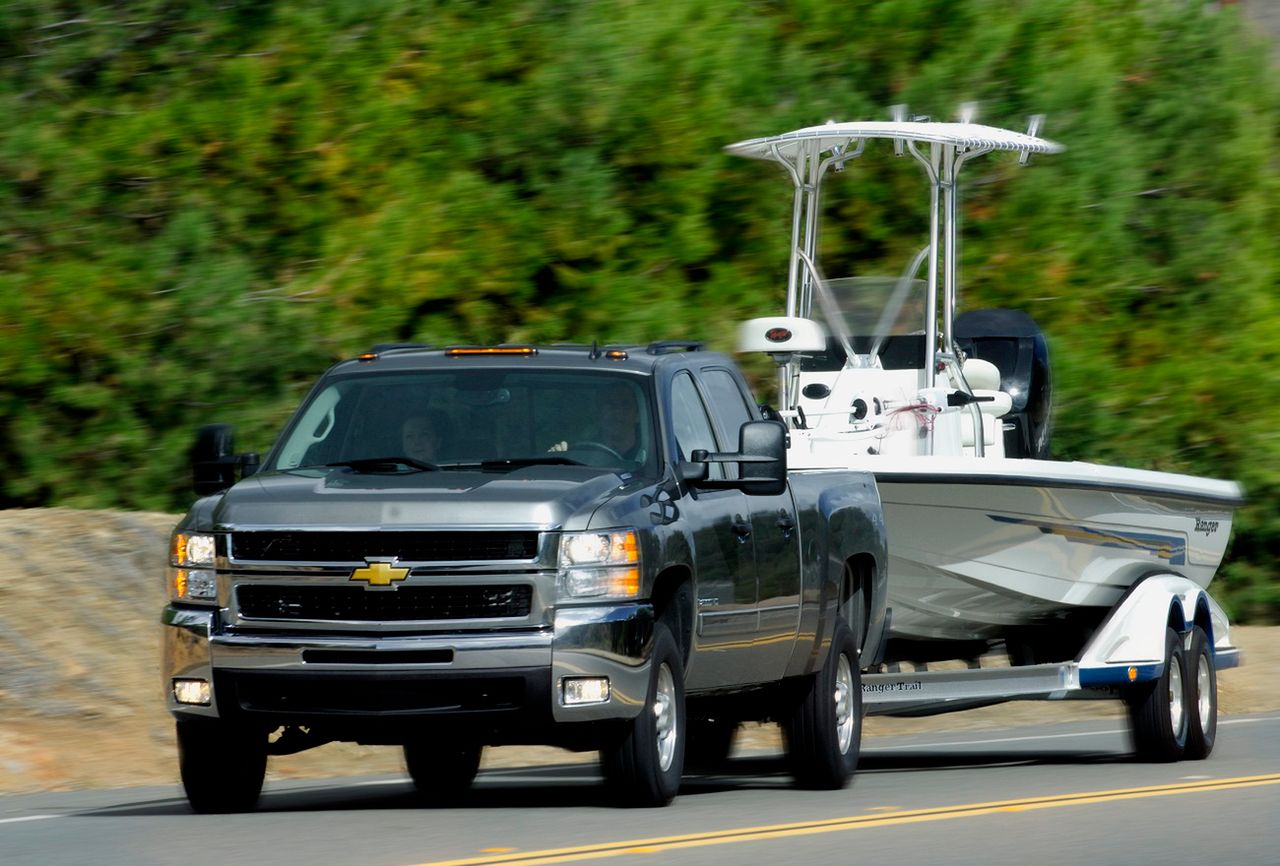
597,548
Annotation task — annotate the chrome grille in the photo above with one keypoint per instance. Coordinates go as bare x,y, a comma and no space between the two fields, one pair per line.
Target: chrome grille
354,603
344,547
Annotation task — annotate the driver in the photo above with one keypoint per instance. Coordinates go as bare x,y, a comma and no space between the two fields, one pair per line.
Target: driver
618,427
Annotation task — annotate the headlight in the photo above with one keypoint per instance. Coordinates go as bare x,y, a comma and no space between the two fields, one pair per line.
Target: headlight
191,574
191,549
600,564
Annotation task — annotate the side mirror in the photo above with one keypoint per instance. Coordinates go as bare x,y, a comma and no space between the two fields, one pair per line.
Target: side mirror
762,454
213,459
763,446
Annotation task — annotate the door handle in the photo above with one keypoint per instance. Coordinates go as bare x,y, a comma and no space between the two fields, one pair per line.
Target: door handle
786,523
741,528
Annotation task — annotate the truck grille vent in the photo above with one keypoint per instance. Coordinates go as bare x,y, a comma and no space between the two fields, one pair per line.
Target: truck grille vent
346,547
344,603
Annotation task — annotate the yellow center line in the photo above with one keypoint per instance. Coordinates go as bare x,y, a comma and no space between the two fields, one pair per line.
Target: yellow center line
852,822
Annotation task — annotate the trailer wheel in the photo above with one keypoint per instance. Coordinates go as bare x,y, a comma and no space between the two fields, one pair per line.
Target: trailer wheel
643,765
1203,697
441,773
222,764
1158,711
824,732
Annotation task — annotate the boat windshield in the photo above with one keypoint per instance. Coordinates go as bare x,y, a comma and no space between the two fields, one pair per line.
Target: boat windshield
882,317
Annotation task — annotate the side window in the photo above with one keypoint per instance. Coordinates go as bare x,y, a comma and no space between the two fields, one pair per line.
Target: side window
690,422
727,403
729,407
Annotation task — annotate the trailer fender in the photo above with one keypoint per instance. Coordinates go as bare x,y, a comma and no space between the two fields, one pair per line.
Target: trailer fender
1129,647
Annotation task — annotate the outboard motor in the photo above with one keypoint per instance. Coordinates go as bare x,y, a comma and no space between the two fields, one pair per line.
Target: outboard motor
1011,340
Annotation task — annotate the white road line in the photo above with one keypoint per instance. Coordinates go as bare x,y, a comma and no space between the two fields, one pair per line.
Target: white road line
1248,721
27,818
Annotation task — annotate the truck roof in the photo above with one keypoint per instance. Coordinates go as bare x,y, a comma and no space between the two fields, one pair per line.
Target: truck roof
633,358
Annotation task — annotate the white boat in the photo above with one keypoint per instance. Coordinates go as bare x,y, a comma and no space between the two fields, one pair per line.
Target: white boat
990,541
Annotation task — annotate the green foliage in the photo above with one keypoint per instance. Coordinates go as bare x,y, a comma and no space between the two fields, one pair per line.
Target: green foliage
202,205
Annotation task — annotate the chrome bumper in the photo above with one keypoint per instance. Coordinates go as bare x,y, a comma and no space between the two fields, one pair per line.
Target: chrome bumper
613,641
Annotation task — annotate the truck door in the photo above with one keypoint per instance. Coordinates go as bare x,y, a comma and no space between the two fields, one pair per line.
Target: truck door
725,582
774,533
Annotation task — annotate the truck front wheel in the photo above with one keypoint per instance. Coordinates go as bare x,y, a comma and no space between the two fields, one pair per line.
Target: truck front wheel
643,765
222,764
824,731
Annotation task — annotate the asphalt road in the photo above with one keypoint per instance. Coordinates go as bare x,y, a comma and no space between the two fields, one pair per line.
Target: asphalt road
1044,795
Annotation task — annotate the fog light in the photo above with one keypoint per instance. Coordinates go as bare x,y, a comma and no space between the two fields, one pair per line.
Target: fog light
192,692
585,690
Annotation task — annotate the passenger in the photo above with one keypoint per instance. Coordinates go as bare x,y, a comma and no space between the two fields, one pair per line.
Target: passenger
423,436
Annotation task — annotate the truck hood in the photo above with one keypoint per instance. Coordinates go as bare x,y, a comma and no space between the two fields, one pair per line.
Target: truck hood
545,497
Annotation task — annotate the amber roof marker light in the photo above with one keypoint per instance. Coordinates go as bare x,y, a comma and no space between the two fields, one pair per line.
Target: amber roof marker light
461,351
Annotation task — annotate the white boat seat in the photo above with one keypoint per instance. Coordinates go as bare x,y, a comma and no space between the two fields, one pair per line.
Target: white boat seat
991,412
981,375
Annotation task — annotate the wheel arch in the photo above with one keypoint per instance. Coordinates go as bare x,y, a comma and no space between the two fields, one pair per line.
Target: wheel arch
673,605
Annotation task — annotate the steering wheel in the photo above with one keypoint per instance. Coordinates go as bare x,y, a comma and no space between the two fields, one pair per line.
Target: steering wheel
591,445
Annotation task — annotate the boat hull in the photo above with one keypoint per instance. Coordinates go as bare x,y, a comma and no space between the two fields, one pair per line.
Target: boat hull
978,550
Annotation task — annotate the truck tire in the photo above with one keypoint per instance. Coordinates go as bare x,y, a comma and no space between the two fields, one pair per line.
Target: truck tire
441,772
709,744
222,764
1158,711
1203,697
643,764
824,731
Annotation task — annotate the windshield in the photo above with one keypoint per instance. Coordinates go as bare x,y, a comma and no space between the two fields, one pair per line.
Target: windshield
482,418
878,306
883,317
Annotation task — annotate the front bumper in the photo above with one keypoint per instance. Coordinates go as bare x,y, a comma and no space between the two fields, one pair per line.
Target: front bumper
502,682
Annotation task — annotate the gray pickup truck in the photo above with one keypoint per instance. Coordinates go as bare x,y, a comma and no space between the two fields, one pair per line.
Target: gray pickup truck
595,548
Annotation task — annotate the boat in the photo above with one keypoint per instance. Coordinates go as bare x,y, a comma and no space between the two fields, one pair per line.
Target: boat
992,543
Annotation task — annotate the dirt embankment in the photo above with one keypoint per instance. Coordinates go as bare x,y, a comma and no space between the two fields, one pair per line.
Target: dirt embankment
81,702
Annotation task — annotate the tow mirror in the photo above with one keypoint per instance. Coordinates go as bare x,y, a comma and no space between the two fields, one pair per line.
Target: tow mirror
213,459
762,456
763,446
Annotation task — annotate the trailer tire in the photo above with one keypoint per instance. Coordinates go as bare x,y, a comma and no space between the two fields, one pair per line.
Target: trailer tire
643,764
1158,711
441,773
1203,697
824,732
222,765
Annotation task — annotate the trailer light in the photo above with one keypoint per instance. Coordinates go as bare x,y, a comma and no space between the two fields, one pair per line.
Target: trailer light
585,690
192,692
1133,673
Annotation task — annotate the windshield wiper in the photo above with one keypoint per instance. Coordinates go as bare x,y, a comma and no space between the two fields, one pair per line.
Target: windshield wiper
513,463
378,464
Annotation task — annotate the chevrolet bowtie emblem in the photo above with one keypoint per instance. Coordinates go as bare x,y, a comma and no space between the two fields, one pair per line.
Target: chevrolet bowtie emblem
379,573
